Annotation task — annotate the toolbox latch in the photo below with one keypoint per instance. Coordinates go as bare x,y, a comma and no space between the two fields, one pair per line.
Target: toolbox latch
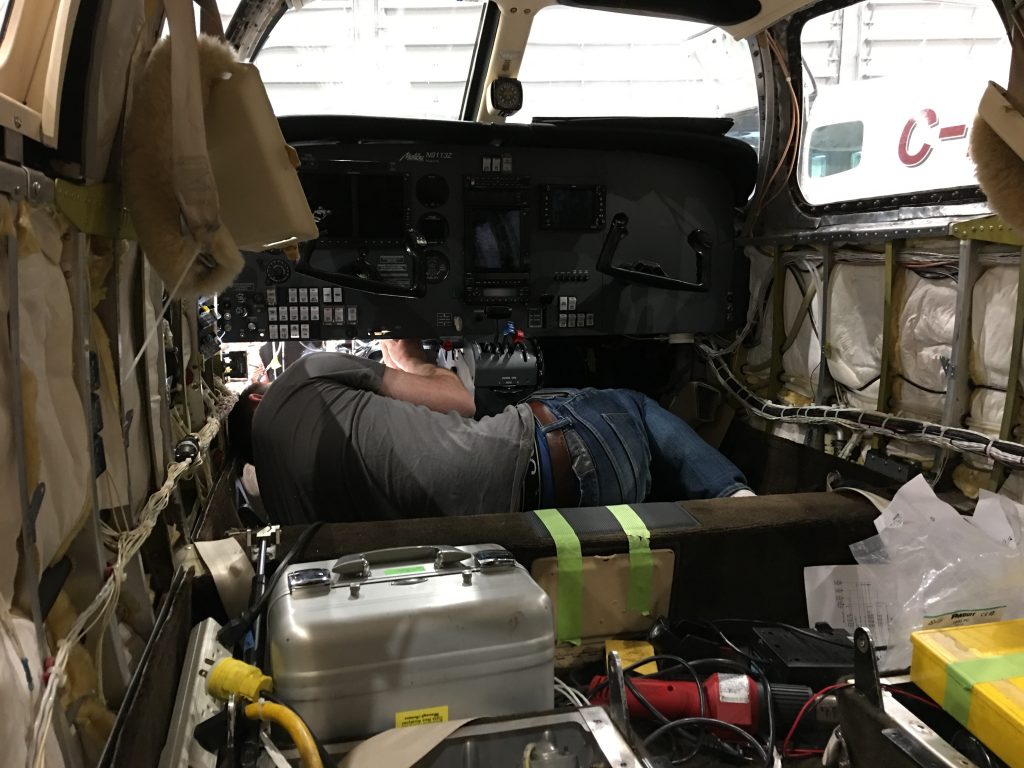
308,578
494,558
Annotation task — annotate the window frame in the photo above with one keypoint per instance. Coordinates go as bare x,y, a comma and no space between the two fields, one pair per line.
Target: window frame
948,195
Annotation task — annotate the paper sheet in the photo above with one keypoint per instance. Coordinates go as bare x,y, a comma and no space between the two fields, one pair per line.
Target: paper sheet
998,517
851,596
915,502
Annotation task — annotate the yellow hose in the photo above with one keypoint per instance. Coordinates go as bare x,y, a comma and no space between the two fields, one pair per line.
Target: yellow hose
275,713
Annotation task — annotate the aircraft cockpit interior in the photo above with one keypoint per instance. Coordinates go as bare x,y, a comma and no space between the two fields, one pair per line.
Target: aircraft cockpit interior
504,384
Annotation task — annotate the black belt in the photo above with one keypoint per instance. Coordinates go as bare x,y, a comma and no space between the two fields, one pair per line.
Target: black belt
566,488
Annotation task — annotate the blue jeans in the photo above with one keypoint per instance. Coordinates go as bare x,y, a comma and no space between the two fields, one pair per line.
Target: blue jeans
626,448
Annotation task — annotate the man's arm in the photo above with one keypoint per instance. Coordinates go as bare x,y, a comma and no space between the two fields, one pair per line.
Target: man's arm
410,378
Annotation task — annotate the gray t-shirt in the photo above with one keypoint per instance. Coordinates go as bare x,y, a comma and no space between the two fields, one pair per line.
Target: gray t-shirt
329,446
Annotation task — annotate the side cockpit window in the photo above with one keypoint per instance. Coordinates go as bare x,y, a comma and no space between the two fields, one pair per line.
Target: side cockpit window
5,16
890,90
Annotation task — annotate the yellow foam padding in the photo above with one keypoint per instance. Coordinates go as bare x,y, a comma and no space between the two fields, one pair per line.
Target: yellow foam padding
632,651
977,674
230,676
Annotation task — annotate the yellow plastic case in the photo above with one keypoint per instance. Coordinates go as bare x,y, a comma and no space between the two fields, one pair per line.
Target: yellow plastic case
977,674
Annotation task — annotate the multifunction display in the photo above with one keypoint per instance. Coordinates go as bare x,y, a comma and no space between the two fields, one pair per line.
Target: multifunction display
357,208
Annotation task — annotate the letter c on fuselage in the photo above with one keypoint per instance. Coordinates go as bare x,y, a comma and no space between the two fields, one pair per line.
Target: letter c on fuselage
914,159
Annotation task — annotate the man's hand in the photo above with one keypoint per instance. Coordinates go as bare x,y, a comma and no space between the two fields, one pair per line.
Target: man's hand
405,355
411,378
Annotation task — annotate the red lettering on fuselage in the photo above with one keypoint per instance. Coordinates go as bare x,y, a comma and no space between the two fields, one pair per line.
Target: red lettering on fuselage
914,158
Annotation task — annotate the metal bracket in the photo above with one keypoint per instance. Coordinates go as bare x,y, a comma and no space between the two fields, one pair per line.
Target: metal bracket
919,742
618,706
989,229
865,667
272,532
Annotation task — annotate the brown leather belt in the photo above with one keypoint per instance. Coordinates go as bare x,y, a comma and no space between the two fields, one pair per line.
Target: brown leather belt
566,490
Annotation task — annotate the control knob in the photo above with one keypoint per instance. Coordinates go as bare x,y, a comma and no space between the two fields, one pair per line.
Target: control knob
278,270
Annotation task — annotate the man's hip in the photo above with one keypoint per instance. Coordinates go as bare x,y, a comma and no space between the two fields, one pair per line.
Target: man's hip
592,448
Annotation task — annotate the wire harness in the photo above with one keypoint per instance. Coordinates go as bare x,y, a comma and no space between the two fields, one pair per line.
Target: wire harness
127,545
954,438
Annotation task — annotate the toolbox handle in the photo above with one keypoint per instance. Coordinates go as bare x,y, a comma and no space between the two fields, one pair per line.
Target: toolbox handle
359,564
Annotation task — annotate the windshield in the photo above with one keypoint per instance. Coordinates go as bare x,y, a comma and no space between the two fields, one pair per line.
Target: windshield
393,58
586,63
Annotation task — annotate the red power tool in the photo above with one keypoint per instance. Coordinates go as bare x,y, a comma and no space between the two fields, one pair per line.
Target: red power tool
733,698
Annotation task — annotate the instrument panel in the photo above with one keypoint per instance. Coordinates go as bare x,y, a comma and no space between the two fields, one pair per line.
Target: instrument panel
448,240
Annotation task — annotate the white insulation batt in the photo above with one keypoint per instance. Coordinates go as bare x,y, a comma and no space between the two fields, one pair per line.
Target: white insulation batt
924,339
927,314
18,704
994,303
856,307
56,436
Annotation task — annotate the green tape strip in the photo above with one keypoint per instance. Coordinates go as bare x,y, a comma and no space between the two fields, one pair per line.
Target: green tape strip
569,623
641,564
962,676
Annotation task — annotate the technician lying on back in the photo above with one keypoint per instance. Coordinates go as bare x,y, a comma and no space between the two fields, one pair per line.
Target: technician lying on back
342,438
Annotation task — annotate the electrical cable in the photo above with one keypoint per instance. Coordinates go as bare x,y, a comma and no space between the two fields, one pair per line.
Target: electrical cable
679,663
713,723
769,760
325,757
571,694
955,438
813,701
128,544
234,630
268,711
848,645
787,751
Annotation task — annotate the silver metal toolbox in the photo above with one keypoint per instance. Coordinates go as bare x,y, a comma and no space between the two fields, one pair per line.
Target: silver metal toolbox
410,635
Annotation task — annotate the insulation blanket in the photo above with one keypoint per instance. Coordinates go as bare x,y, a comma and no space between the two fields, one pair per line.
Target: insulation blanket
994,303
57,445
18,704
925,338
854,344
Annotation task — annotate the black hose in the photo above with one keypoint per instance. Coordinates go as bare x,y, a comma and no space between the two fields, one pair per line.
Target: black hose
232,632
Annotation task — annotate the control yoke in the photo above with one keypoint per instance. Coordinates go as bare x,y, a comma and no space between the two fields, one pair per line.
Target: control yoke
365,276
651,273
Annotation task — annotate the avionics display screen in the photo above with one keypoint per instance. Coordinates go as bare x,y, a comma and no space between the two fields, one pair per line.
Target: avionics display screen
495,239
573,207
357,206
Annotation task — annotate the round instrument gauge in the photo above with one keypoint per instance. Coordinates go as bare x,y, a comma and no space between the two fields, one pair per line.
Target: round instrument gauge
278,270
432,190
433,227
437,266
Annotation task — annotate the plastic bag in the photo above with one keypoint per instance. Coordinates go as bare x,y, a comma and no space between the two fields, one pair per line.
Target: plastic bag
948,570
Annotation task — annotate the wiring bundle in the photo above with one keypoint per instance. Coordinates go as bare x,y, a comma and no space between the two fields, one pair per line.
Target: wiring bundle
102,609
954,438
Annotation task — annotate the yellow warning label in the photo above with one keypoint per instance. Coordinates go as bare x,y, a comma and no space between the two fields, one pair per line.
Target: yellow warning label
632,651
421,716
